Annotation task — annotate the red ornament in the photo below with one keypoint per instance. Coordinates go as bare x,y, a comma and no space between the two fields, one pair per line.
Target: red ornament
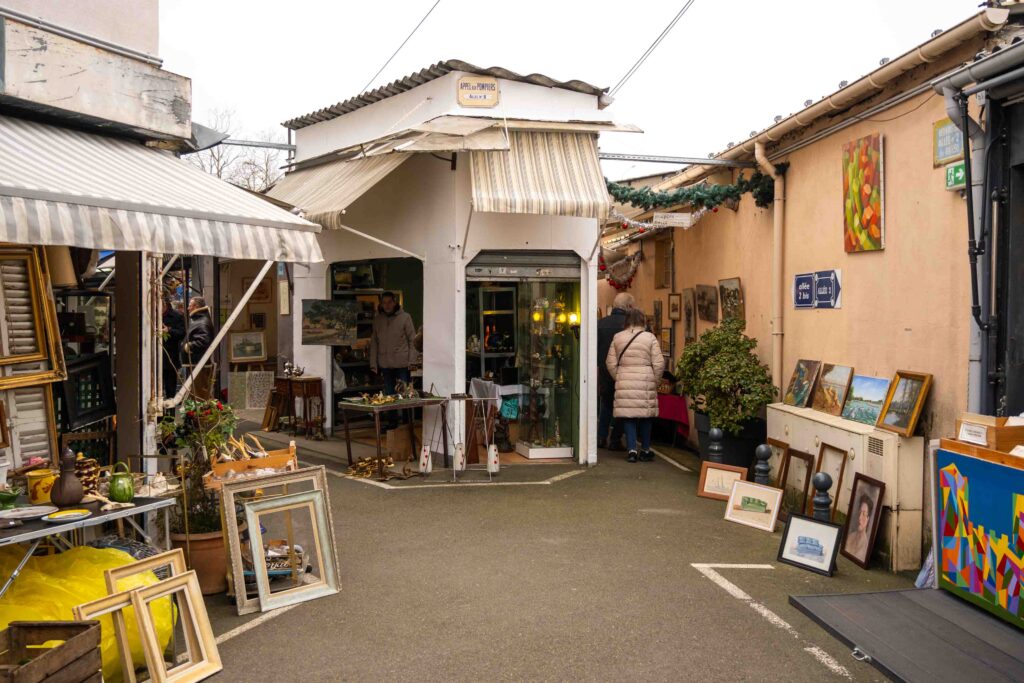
625,225
714,209
640,230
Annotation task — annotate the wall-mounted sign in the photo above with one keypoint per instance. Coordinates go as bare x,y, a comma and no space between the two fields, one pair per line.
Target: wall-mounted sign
956,176
673,220
823,289
478,91
947,143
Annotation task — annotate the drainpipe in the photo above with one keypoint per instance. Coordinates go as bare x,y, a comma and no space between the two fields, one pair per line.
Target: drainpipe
778,283
974,167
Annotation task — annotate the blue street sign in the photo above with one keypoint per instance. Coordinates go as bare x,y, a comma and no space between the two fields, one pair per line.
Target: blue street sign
803,290
822,289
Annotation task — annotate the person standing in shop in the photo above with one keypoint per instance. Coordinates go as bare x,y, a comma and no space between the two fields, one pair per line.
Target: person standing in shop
635,363
198,338
607,328
392,348
174,335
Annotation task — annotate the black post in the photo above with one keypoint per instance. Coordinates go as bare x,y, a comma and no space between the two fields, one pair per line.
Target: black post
762,470
822,482
715,451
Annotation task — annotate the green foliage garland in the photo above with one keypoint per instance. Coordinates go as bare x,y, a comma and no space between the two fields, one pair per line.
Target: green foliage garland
721,368
760,186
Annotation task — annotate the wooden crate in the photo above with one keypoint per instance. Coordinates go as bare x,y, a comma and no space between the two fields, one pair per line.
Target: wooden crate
76,660
277,459
998,436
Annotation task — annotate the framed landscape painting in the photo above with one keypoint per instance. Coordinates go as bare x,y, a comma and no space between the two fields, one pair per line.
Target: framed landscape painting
707,303
863,195
247,347
730,293
801,384
830,392
865,399
904,402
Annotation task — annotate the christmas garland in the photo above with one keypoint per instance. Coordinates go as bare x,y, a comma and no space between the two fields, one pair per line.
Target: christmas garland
623,280
703,196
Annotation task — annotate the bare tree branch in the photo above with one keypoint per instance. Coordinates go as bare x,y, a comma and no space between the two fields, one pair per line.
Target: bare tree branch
253,168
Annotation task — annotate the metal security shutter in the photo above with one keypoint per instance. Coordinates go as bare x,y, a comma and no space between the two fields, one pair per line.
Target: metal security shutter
524,265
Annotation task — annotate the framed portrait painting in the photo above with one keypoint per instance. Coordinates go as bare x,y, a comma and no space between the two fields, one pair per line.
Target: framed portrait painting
862,519
810,544
904,402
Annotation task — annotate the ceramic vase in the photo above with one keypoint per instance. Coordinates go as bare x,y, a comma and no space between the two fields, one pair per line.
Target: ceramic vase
67,490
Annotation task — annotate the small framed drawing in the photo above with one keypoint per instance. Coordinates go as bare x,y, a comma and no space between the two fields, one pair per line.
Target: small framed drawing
247,347
754,505
862,519
675,306
716,479
904,402
810,544
263,293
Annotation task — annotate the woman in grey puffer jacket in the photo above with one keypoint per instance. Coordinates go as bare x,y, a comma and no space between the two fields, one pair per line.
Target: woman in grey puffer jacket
635,363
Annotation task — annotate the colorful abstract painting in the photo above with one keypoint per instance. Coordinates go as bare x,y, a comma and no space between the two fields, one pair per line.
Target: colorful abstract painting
863,195
981,533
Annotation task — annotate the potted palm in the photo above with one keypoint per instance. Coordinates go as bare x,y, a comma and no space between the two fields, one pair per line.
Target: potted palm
201,432
730,387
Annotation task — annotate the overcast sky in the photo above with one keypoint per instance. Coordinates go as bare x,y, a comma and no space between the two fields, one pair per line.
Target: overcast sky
727,67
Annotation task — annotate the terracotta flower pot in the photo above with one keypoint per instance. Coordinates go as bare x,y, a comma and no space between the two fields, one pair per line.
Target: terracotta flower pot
206,554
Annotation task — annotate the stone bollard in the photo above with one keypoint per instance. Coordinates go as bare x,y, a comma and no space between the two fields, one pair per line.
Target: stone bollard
715,450
762,470
822,482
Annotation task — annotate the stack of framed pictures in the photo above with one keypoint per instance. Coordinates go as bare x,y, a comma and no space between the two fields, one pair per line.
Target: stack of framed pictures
894,405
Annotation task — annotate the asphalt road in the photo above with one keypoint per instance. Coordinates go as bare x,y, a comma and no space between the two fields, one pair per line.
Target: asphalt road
589,578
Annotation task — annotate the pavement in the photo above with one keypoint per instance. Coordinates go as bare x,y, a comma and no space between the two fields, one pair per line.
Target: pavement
583,577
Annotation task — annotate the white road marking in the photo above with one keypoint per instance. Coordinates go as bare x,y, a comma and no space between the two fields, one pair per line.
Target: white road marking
670,461
823,658
449,485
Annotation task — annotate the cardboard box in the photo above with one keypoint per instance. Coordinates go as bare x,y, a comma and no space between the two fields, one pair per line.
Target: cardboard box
988,431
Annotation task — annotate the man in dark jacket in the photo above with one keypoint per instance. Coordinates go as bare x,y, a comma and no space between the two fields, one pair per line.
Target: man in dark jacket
174,335
392,348
198,338
607,328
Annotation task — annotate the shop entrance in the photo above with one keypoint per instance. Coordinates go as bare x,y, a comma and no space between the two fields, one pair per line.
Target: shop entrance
523,336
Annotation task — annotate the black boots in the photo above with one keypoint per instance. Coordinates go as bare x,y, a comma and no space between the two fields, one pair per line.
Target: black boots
647,456
632,456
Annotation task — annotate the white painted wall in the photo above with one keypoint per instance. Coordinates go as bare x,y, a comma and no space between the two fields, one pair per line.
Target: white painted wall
133,24
438,98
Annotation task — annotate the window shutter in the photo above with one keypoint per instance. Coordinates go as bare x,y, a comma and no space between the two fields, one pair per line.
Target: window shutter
20,318
31,423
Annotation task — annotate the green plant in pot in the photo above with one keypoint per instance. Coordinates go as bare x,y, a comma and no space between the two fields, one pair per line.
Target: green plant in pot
730,386
201,432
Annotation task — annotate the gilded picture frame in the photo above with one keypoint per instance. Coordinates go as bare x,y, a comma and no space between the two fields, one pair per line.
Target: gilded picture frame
908,391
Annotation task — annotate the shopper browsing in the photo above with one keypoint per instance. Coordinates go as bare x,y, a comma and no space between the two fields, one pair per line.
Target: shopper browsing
635,363
607,328
392,347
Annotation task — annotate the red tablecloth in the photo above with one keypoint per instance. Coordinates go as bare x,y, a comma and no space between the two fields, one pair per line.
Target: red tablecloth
673,407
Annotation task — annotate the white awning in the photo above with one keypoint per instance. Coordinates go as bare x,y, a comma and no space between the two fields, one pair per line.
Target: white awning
324,192
556,174
64,186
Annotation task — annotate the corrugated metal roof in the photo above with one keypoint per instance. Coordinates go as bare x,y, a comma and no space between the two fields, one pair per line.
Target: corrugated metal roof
425,76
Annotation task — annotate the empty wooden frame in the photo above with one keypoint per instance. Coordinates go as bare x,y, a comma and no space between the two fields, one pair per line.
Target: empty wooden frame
837,484
111,604
203,658
787,458
317,476
326,583
174,560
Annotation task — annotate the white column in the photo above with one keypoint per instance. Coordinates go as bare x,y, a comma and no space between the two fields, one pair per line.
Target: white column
588,363
444,339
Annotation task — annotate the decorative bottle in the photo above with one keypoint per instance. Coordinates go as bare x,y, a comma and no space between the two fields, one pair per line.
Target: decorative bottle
67,490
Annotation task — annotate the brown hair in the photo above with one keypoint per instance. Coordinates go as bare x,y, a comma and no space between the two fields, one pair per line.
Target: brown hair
635,318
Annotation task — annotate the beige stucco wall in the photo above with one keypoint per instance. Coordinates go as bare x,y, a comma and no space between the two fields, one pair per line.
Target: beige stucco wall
907,307
133,24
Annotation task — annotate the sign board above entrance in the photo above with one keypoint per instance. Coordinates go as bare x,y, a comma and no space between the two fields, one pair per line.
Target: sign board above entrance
673,220
947,143
478,91
822,289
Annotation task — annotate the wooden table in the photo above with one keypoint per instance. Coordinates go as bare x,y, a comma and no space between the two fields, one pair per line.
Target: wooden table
305,388
404,404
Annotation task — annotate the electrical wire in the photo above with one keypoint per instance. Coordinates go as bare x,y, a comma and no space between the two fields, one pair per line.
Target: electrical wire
899,116
379,71
647,53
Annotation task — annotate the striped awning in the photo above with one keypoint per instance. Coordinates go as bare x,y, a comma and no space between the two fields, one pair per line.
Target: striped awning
324,192
60,186
556,174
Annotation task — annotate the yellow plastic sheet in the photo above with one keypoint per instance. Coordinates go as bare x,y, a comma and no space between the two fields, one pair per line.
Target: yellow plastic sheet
50,586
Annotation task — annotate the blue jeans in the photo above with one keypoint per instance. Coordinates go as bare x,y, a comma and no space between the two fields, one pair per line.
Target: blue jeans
605,417
642,424
391,378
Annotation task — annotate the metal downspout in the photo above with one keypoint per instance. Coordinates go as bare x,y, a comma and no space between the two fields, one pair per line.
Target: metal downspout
974,148
778,234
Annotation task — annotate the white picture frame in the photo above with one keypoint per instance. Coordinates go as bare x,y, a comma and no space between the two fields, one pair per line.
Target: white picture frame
739,510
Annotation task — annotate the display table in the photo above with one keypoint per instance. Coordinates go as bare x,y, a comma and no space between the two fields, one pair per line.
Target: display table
304,388
405,404
36,530
672,407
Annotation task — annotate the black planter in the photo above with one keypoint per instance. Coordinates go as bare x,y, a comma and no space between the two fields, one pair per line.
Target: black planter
736,450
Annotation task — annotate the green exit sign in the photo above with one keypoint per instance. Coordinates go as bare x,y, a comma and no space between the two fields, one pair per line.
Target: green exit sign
956,176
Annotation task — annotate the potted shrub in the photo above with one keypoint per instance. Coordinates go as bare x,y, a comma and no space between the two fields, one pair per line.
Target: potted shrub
201,432
730,387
